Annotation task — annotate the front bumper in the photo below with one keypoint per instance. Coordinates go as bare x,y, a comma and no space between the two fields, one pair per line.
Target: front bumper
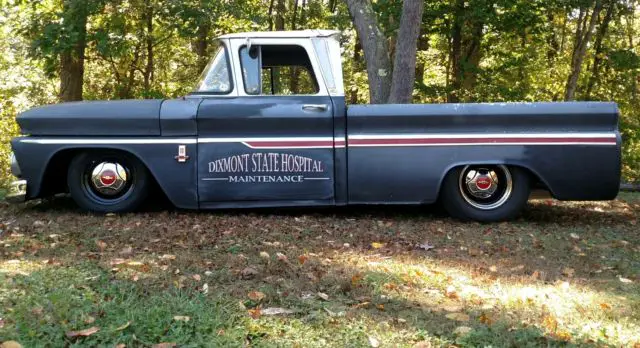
17,191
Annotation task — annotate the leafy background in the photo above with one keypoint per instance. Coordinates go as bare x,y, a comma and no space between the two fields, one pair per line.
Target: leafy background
524,50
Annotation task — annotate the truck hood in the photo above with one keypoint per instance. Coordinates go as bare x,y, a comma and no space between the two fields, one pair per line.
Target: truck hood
93,118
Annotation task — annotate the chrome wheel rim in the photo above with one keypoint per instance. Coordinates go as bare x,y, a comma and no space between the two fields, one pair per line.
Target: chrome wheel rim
485,187
108,181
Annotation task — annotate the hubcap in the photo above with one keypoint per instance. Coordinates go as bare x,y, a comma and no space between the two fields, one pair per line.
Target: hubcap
485,187
109,179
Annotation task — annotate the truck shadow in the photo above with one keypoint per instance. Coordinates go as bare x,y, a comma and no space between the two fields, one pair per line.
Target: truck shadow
537,211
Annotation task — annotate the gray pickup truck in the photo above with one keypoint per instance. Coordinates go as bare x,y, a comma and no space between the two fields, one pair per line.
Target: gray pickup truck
268,126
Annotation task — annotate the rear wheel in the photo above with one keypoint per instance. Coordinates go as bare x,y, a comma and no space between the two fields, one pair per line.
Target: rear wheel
485,192
106,181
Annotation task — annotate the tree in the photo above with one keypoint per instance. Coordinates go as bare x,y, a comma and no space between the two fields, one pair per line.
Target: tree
584,31
74,15
387,84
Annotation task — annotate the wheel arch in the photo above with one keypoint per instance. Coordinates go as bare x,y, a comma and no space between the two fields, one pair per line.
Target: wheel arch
533,174
54,177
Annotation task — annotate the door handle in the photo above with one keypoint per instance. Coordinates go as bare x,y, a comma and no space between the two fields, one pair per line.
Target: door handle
314,107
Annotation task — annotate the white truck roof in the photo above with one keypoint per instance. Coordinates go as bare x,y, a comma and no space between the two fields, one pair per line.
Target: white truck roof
309,33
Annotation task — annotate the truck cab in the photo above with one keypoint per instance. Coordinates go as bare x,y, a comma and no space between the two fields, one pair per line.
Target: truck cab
272,109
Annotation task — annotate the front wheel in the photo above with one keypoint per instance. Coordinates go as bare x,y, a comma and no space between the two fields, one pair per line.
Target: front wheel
485,192
107,182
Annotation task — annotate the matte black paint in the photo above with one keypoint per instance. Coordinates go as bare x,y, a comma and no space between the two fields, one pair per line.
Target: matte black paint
263,116
178,117
358,175
414,174
93,118
178,180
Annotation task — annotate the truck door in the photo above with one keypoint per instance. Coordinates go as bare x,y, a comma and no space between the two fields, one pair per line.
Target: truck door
272,143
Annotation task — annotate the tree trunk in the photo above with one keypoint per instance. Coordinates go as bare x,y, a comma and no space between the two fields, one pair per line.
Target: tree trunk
271,15
582,38
280,9
406,49
471,59
355,66
597,60
456,53
72,59
148,71
375,48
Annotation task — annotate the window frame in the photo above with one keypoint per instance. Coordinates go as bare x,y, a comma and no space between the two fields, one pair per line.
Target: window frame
230,73
305,43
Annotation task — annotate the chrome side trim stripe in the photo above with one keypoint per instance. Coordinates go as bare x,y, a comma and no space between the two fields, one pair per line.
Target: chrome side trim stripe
103,141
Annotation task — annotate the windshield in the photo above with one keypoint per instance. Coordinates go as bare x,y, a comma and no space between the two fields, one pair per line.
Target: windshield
215,77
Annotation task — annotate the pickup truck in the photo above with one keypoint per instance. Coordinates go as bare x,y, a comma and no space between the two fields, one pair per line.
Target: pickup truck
267,126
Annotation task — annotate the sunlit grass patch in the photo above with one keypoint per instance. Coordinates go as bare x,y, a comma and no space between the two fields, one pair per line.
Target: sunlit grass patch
47,304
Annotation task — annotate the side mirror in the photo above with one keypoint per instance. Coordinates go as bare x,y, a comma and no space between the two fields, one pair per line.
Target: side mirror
253,52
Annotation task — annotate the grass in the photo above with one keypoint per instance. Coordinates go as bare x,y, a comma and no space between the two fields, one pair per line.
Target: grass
565,274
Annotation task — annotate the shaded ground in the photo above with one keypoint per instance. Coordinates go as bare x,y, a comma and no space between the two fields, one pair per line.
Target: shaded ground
563,274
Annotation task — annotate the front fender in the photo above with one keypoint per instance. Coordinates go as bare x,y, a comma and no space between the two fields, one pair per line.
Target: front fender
36,156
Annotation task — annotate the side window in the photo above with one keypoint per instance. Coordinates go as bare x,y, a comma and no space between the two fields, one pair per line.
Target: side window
277,70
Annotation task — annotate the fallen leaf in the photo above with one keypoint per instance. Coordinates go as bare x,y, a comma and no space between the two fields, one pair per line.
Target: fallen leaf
86,332
181,318
168,257
196,277
126,251
10,344
462,330
373,342
567,271
254,313
256,295
452,309
116,262
475,252
282,257
380,307
625,280
457,316
205,288
164,345
485,319
101,245
302,259
451,292
265,255
377,245
249,272
276,311
126,325
605,306
574,236
323,296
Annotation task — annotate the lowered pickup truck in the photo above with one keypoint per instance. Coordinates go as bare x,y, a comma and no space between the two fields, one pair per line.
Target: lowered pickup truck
267,126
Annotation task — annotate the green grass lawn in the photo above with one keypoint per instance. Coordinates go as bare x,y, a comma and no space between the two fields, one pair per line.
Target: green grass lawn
565,274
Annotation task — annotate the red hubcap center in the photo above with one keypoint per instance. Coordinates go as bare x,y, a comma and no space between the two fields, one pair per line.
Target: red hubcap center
108,177
484,183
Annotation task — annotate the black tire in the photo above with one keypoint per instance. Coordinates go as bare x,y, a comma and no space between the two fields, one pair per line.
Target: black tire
508,202
82,182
